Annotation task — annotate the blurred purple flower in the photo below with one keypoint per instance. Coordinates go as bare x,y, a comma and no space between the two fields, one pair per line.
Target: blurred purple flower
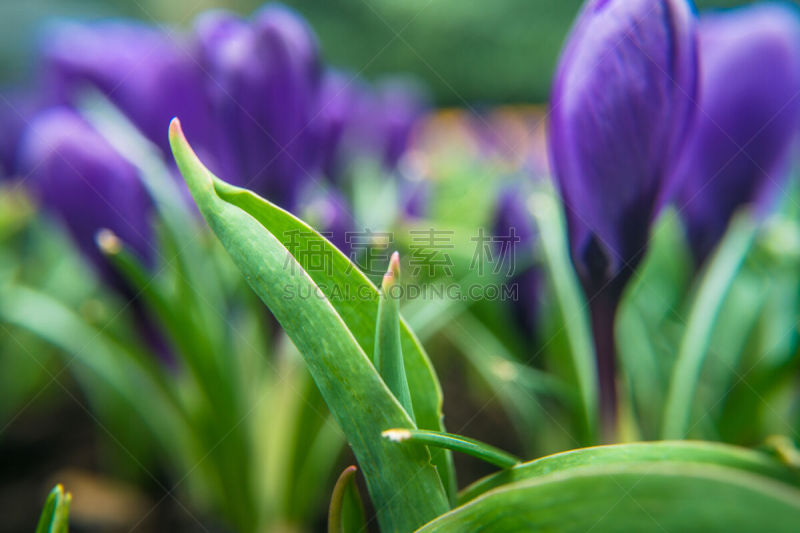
17,107
262,80
415,197
81,179
747,121
620,106
336,111
355,120
146,72
514,228
391,116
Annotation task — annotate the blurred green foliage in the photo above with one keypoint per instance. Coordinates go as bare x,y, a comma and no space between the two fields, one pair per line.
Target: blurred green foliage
467,52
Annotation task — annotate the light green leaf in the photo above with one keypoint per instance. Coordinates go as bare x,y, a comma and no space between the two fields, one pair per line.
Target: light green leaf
55,514
135,376
715,283
333,335
388,347
571,303
457,443
655,452
632,496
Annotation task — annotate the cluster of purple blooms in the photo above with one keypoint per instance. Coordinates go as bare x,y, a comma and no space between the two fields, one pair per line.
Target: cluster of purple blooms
654,106
253,96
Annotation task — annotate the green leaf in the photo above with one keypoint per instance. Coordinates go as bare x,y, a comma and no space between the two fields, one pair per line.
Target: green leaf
657,452
352,295
388,347
333,334
55,514
647,317
457,443
570,300
135,376
632,496
518,386
716,282
346,512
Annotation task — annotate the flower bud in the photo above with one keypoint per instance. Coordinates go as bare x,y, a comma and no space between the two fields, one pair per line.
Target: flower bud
148,73
738,150
81,179
620,106
263,78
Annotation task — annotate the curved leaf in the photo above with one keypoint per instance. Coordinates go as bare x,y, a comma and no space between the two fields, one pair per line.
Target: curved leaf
706,306
632,496
346,512
456,443
355,299
644,452
404,486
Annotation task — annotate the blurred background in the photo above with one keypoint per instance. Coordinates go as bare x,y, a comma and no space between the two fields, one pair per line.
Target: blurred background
475,52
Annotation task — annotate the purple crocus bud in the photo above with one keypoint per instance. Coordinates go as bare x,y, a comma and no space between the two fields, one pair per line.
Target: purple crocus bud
148,73
515,236
262,78
747,120
621,104
81,179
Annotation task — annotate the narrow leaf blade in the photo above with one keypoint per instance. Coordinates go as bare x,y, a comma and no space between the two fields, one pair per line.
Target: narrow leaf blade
346,512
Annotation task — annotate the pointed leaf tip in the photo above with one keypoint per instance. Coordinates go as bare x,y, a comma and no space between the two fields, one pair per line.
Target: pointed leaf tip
392,273
175,129
196,175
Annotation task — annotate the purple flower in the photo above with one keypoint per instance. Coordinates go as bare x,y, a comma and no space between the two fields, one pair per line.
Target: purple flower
262,77
398,104
81,179
337,108
415,197
749,111
516,235
620,106
146,72
354,119
16,109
